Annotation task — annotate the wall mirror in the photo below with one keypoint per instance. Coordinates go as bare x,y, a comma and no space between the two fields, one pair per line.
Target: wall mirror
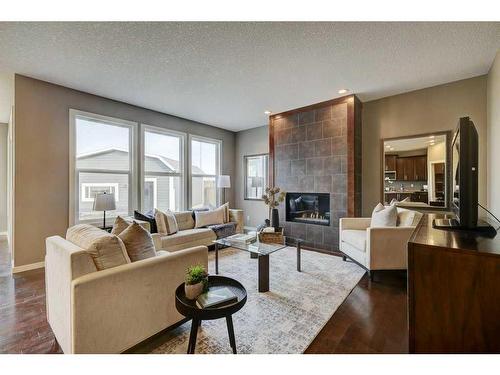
255,175
415,171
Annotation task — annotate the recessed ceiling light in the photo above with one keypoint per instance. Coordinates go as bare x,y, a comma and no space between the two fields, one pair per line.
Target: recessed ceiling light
267,112
388,146
343,91
431,136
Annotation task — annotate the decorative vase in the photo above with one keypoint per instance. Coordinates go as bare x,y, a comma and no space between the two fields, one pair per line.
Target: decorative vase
275,216
193,291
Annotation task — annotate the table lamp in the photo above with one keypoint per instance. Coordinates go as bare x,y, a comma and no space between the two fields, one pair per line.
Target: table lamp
223,182
104,202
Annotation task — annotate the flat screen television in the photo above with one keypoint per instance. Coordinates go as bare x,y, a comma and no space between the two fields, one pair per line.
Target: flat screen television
464,161
464,169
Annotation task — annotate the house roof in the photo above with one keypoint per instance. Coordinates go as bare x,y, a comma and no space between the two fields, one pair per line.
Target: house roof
169,163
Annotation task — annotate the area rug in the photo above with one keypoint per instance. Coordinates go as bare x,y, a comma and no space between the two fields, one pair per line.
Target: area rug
284,320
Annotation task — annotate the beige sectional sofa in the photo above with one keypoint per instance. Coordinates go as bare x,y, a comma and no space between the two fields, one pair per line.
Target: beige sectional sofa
189,236
111,310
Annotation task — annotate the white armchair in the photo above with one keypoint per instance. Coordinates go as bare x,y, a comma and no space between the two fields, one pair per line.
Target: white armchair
380,248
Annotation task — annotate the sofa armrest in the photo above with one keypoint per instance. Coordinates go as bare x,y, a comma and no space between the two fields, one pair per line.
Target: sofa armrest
236,215
357,223
117,308
387,248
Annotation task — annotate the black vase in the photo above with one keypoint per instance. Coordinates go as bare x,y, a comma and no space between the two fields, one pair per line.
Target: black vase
275,219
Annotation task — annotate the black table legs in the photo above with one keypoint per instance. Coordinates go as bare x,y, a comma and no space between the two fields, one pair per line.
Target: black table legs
196,323
264,273
298,255
230,331
216,258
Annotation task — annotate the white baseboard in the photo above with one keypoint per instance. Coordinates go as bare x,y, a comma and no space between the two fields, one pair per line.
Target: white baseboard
28,267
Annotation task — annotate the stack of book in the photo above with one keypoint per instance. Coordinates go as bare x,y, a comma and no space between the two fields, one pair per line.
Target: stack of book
242,238
216,297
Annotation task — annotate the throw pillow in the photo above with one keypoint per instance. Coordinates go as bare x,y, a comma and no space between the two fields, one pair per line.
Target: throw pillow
165,222
149,217
106,249
119,226
384,216
138,242
225,208
184,220
204,218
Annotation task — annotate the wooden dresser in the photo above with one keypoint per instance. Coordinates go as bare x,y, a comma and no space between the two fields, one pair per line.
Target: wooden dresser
453,291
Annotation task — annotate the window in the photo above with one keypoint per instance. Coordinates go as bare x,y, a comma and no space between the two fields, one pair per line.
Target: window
205,166
163,166
255,176
102,161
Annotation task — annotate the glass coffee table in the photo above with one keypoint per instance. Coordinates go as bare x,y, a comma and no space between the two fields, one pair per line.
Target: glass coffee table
260,251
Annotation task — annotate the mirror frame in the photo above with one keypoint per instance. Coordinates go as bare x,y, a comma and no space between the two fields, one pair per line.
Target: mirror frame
448,134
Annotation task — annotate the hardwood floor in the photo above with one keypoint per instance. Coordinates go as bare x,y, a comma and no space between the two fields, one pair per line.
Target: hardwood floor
371,320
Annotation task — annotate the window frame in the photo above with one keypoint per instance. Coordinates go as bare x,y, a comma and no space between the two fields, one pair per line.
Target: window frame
115,185
182,164
245,174
74,214
218,154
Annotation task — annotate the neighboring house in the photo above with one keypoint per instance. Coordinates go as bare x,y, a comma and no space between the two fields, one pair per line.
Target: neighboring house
161,190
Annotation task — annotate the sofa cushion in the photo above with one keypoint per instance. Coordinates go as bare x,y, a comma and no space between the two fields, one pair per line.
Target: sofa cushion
184,220
119,225
204,218
355,237
165,222
106,249
186,236
384,216
138,242
149,217
223,230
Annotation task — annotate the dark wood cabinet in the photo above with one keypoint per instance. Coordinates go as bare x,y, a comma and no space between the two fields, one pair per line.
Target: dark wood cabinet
390,162
420,168
411,168
453,290
420,196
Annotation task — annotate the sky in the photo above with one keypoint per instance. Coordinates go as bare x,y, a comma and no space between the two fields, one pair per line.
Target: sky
94,136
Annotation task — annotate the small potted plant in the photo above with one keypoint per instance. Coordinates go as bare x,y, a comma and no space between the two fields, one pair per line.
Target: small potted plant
196,281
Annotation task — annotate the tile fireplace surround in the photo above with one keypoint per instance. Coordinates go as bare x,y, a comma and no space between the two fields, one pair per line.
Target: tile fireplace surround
317,149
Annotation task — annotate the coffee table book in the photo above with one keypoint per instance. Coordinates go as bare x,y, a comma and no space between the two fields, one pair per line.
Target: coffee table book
215,298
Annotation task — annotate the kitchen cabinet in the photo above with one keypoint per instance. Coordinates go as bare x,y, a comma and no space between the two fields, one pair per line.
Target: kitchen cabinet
412,168
390,162
420,168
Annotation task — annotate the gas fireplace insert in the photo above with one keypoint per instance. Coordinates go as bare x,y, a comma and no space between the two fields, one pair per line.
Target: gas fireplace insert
308,208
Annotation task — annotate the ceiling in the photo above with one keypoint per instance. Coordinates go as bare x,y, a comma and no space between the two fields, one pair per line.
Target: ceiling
411,144
228,74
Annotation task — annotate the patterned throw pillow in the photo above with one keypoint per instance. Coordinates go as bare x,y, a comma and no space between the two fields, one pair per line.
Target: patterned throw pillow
149,217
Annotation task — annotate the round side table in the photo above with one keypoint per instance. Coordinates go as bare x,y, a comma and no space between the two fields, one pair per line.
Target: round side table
189,309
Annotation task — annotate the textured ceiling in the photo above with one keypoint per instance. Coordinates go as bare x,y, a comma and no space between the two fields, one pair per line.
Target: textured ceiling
227,74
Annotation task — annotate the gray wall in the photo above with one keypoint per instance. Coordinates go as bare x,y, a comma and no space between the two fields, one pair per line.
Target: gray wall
423,111
494,136
42,156
249,142
3,177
